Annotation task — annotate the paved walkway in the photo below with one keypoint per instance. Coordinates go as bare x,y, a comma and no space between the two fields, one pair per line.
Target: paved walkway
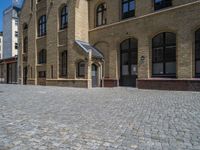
55,118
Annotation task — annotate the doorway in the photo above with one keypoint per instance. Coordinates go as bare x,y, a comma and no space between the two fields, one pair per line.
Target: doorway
128,62
94,75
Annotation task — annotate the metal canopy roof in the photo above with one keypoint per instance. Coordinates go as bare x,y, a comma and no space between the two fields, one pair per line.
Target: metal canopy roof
87,47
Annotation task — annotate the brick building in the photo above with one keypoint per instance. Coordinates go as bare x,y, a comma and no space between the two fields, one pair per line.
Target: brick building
90,43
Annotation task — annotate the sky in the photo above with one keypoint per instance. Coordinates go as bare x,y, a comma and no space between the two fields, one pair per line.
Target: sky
3,5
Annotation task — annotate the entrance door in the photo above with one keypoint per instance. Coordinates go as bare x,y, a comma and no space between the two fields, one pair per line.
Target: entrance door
128,62
25,75
12,73
94,76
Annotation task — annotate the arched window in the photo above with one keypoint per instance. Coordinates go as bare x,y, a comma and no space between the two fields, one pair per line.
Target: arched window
42,26
25,44
63,63
81,69
164,55
64,17
101,14
160,4
42,57
197,52
128,8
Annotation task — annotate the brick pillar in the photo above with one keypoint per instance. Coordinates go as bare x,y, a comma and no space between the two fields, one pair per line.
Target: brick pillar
144,60
184,54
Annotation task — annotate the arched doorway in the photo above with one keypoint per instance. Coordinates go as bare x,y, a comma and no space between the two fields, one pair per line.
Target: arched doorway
95,75
128,62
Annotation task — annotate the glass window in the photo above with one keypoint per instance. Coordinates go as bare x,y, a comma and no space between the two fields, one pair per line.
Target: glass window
42,26
63,63
128,8
64,17
101,15
25,44
197,53
42,57
164,55
160,4
81,69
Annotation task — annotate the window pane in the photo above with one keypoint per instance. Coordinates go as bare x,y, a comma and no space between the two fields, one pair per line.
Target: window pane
158,54
125,64
134,57
125,58
198,35
170,38
81,69
158,68
132,5
198,67
133,69
133,43
158,40
170,68
170,53
125,7
197,50
125,45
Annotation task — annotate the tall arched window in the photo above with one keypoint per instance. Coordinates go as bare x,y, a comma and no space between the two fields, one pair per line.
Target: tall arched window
128,8
101,14
164,55
42,57
197,53
81,69
63,64
25,44
160,4
64,17
42,26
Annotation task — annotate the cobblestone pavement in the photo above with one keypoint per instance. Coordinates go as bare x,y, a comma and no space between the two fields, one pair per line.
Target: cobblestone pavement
56,118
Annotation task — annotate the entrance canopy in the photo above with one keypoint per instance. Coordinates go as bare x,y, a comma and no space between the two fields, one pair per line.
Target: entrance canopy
86,47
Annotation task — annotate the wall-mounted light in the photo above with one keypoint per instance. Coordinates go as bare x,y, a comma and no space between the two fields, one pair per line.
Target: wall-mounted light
142,59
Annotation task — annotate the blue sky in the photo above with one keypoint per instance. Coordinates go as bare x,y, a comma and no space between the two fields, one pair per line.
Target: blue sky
3,5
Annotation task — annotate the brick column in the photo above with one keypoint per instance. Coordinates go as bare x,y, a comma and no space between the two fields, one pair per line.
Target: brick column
184,54
144,60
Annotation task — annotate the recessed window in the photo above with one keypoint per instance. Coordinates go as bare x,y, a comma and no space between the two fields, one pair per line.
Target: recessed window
42,26
81,69
64,17
197,53
128,8
160,4
25,44
42,57
63,63
25,27
101,14
164,55
16,34
16,45
42,74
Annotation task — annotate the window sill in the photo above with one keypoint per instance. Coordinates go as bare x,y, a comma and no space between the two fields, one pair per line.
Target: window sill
39,65
41,37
